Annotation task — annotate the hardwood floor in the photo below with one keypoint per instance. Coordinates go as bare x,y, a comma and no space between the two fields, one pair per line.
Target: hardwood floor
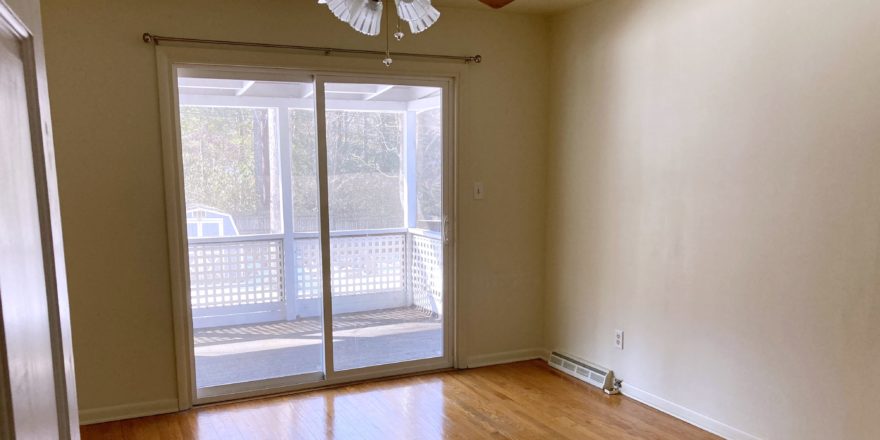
526,400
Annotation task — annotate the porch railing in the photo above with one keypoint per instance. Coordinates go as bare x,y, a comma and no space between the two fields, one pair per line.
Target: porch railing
238,280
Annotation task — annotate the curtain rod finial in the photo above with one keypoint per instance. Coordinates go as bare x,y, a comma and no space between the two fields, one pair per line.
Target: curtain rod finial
148,38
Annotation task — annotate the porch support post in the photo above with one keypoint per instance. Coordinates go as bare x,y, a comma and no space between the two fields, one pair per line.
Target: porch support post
410,172
411,197
289,246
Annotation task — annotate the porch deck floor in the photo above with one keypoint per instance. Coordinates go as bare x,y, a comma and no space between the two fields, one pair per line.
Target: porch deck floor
244,353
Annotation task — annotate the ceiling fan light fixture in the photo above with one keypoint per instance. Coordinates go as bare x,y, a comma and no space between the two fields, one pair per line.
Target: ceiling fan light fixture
366,17
340,8
409,10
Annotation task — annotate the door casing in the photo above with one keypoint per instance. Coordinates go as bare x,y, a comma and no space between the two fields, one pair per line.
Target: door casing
41,316
274,66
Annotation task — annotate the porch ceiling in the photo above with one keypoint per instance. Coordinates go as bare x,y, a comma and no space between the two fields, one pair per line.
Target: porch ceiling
347,92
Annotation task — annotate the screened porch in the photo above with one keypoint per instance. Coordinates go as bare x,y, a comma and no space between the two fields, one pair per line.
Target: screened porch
255,274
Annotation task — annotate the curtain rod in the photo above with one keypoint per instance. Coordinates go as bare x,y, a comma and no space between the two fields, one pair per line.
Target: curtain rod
156,39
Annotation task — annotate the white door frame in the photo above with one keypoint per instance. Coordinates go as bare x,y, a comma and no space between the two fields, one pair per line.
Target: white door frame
278,66
54,272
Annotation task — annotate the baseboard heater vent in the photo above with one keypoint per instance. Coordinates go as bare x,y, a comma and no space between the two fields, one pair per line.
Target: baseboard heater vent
585,371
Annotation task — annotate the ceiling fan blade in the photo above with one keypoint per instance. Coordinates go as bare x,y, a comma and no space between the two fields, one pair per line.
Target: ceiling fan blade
497,3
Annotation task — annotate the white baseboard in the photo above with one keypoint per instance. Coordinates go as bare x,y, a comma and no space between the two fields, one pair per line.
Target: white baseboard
89,416
685,414
506,357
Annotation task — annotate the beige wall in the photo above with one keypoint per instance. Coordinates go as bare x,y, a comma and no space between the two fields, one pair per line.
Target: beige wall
714,191
104,99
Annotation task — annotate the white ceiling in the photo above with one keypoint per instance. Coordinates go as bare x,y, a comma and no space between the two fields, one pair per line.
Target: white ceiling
527,6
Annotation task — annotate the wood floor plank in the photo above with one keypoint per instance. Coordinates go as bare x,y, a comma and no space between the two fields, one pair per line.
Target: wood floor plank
525,400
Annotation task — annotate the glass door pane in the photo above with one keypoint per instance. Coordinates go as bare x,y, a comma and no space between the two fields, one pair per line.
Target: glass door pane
249,168
384,177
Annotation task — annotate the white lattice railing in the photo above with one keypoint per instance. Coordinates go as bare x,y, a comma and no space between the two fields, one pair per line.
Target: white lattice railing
426,254
234,277
236,274
360,265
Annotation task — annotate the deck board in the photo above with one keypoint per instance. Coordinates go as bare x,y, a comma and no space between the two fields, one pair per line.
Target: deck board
244,353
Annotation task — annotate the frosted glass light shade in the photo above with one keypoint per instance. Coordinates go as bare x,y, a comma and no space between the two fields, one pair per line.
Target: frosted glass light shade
409,10
342,9
425,21
366,17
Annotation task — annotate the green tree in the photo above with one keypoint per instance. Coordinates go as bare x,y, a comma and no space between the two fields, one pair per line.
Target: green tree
363,165
429,168
229,164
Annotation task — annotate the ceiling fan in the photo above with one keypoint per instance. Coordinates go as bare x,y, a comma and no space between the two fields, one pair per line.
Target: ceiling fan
365,16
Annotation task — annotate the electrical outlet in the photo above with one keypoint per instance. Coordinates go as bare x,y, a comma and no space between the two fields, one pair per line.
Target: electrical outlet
618,339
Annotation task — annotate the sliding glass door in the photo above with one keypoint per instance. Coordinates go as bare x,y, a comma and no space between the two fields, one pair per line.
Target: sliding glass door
250,180
385,180
316,210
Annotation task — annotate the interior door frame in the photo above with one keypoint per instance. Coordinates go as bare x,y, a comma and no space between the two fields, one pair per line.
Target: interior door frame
280,65
48,210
